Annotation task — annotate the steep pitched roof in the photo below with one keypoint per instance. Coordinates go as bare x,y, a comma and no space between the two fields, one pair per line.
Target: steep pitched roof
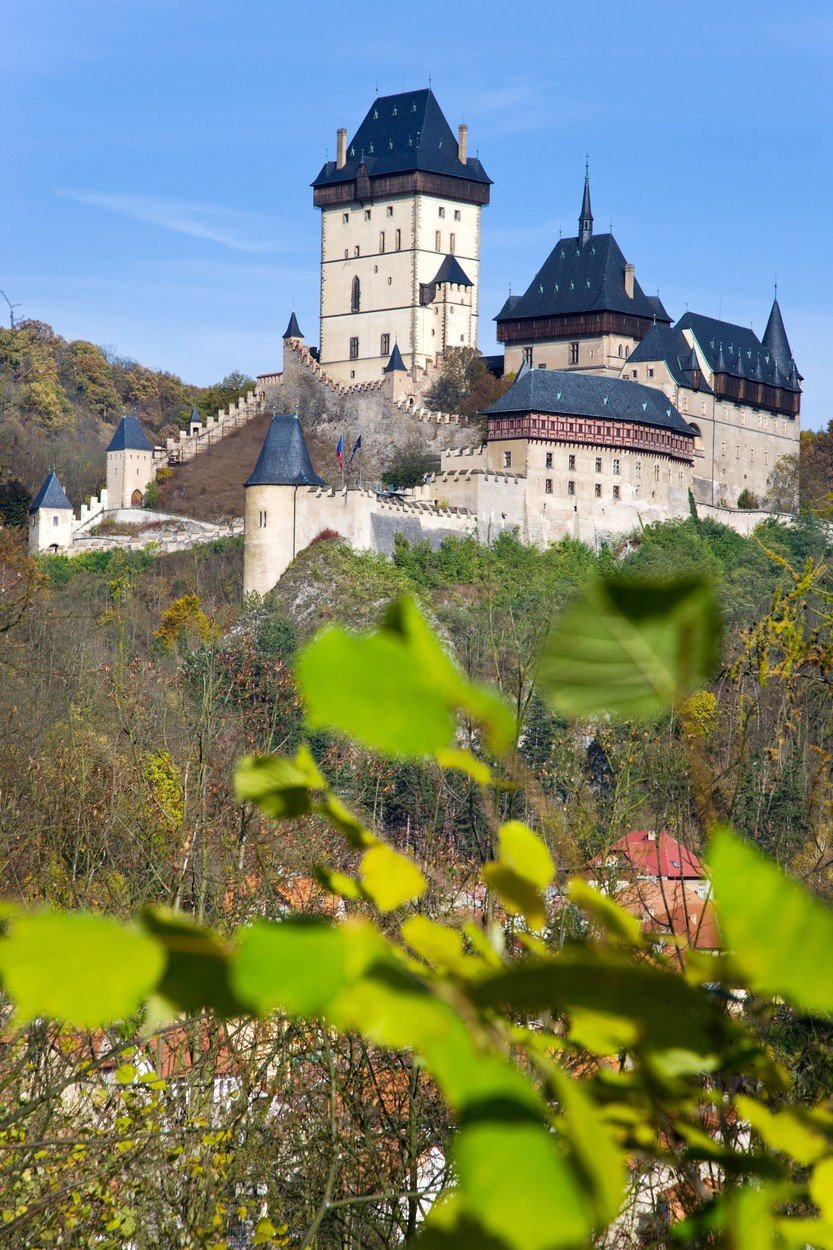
587,395
775,337
402,133
452,271
669,345
50,495
396,364
284,459
741,350
655,855
129,436
195,416
581,277
293,330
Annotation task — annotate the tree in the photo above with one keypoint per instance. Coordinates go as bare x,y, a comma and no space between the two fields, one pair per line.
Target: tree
782,488
408,465
14,503
748,500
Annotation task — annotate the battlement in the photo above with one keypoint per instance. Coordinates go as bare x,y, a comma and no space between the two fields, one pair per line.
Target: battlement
88,512
188,445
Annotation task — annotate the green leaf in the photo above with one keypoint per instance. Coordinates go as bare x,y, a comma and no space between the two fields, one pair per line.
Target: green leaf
78,968
298,965
344,820
518,895
598,1159
440,945
390,879
465,762
778,934
616,923
783,1131
276,785
197,965
376,690
630,649
525,853
669,1012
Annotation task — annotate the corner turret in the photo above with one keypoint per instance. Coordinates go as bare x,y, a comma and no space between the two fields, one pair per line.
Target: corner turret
50,518
585,221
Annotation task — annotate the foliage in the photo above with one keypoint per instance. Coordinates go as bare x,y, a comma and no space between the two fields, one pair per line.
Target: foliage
184,618
14,503
464,384
408,464
565,1067
747,499
151,499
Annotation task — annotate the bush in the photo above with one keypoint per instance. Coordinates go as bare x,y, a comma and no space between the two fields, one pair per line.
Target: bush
748,501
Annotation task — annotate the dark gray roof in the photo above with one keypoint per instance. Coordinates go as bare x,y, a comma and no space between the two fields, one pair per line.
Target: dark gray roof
452,271
744,355
195,416
400,134
775,337
293,330
659,308
577,278
669,344
284,459
129,436
587,395
50,495
585,220
396,364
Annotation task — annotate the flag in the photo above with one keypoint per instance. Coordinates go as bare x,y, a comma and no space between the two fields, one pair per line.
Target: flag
357,446
340,451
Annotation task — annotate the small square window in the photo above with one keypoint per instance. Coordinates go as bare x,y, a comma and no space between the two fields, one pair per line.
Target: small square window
598,464
571,488
597,490
345,217
55,520
615,492
507,460
442,211
367,214
549,460
356,251
571,462
390,210
548,486
456,214
650,373
617,466
354,349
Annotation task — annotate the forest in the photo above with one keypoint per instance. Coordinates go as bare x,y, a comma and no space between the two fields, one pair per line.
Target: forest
132,687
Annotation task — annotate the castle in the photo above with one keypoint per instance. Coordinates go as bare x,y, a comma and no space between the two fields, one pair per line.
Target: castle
616,417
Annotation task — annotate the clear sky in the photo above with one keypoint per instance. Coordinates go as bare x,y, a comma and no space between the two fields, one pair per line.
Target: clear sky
155,157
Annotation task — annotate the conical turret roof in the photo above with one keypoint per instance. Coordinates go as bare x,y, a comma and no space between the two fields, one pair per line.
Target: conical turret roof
284,459
396,364
50,495
585,221
775,337
129,436
293,330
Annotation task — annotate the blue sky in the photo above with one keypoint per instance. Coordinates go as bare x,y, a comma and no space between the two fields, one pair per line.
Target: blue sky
157,156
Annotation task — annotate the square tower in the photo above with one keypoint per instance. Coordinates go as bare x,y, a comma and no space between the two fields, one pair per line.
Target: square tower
400,240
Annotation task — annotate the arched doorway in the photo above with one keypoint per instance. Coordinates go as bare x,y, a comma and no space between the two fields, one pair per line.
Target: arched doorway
136,499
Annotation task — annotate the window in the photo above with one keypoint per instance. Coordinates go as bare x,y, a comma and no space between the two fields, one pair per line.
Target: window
752,455
620,350
384,348
398,240
347,253
55,520
356,296
345,217
527,355
571,462
766,457
456,214
680,478
390,210
354,349
617,466
548,464
598,464
597,490
615,492
571,488
723,449
356,251
656,472
574,353
507,460
442,211
634,374
650,373
438,241
548,486
367,214
637,469
381,240
261,519
452,243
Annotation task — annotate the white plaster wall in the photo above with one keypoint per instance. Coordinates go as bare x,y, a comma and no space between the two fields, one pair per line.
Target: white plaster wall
128,471
603,354
50,527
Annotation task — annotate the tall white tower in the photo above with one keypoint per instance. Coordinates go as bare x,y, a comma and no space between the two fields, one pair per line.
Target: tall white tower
400,239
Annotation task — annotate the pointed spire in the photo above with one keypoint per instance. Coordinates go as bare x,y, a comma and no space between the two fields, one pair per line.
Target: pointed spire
720,367
775,336
196,419
293,330
50,495
396,364
585,221
284,458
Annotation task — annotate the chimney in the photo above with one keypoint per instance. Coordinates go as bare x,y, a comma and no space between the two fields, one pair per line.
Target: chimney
463,143
341,148
629,281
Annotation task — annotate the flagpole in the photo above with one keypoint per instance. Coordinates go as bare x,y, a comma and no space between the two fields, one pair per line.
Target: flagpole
343,446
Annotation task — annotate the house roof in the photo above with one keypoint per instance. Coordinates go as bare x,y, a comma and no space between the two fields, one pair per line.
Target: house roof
581,277
672,908
129,436
452,271
743,353
400,134
50,495
293,330
669,345
396,364
284,459
653,855
587,395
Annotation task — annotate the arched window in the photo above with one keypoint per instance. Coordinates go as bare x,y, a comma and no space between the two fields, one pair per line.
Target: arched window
698,437
620,349
356,296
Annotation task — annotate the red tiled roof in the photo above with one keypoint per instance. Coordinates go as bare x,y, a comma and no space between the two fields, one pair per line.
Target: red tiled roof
653,855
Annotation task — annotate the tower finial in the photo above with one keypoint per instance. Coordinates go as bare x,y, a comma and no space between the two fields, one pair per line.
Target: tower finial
585,221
